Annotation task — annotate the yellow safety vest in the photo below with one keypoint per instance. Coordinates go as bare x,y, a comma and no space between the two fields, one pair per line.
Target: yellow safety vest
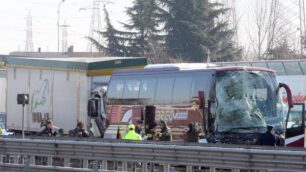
132,135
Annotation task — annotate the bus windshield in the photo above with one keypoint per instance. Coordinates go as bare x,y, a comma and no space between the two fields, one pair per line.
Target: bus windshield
247,100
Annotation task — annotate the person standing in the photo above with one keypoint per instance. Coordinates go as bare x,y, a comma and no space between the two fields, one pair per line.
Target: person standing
165,133
269,138
139,128
131,134
150,133
79,131
281,138
192,135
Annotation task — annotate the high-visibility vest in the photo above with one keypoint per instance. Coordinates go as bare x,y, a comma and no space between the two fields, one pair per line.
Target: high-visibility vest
132,135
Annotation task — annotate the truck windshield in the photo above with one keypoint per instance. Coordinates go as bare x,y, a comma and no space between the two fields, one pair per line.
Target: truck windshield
247,100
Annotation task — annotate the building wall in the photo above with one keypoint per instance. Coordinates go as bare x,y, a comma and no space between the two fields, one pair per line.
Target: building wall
2,90
59,95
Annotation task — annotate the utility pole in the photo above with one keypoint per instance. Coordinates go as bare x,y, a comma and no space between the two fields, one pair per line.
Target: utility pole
95,24
234,22
29,38
208,56
301,4
64,37
304,24
23,99
58,24
230,16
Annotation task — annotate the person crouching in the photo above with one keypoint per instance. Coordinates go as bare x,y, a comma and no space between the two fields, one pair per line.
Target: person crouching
79,131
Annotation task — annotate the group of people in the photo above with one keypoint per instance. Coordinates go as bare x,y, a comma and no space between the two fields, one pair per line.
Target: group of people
270,138
137,132
49,131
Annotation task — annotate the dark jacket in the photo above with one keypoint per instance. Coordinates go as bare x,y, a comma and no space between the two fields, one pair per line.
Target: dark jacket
192,136
165,134
267,139
78,132
46,132
140,131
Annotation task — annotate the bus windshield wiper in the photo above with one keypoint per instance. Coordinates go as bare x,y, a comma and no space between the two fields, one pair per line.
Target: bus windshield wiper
243,128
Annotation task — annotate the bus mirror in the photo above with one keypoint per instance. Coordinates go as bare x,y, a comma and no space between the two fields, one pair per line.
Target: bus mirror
289,93
201,99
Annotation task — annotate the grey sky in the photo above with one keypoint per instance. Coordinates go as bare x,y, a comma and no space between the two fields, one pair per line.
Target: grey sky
13,15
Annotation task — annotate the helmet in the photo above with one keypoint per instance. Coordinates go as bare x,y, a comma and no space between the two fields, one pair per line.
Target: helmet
162,122
131,126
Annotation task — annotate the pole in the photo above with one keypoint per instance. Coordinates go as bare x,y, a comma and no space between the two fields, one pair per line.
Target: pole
304,22
58,24
23,119
301,29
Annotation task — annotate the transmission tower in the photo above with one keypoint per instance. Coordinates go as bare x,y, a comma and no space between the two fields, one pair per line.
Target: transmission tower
95,24
291,20
230,16
64,37
29,36
234,22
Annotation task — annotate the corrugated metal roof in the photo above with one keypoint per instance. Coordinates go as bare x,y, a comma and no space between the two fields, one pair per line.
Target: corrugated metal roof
282,67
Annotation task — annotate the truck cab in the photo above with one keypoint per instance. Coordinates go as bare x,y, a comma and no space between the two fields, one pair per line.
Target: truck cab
96,112
295,128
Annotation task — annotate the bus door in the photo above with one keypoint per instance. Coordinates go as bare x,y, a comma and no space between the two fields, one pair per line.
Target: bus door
296,126
149,121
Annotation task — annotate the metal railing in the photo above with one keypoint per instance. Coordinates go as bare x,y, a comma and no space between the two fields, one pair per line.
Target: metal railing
92,155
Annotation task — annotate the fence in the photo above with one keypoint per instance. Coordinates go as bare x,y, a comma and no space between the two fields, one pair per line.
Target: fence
92,155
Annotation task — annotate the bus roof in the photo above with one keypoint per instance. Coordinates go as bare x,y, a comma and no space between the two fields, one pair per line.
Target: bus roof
151,70
181,66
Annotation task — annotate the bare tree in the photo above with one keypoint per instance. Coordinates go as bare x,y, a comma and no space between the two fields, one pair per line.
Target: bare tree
275,26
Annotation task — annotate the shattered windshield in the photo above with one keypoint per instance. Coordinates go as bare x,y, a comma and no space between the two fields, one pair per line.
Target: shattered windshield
247,100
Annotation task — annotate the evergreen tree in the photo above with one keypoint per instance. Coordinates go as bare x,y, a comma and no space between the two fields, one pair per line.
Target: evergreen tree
192,29
143,27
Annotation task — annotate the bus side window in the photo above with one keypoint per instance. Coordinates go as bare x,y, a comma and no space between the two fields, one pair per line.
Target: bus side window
201,82
164,90
182,89
131,89
147,90
116,88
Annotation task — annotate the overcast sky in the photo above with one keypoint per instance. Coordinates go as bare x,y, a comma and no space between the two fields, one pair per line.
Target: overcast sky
13,14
